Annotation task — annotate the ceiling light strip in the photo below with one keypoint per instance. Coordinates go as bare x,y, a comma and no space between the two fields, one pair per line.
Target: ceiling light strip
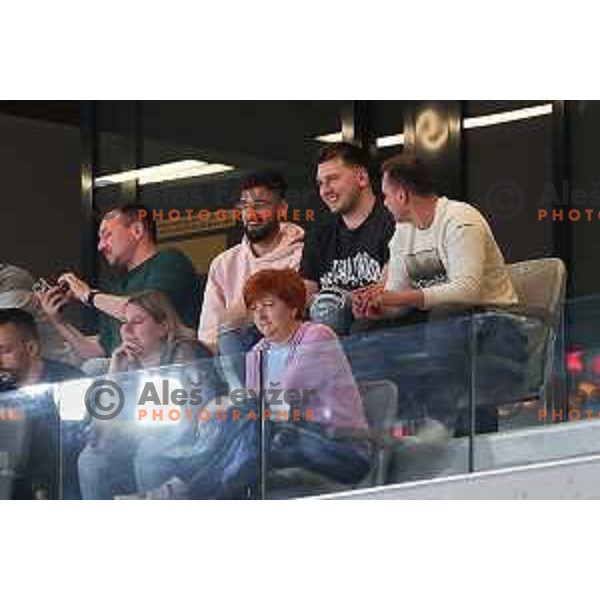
390,140
468,123
182,169
331,138
507,117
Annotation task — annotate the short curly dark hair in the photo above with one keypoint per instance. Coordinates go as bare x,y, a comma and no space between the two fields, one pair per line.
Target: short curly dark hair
22,320
268,179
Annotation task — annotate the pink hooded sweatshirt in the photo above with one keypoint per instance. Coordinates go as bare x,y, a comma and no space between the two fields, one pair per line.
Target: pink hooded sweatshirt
229,271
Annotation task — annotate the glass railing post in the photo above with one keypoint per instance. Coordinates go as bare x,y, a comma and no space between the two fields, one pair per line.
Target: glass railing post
564,383
262,427
61,462
472,362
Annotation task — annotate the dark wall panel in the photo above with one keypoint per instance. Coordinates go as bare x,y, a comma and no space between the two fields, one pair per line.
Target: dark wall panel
585,182
41,221
508,167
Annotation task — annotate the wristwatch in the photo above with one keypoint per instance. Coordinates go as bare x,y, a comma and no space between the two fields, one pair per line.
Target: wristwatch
90,297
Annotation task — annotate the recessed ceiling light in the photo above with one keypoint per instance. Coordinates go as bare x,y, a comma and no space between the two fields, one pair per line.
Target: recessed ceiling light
182,169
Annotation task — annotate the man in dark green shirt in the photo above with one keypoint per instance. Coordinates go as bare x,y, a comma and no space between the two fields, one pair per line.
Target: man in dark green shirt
126,239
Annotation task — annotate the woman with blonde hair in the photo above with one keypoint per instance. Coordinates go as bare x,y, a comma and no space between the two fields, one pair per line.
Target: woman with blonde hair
153,335
122,458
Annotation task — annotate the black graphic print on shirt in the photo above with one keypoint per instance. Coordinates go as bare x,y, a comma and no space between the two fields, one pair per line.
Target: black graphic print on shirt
352,272
425,268
339,257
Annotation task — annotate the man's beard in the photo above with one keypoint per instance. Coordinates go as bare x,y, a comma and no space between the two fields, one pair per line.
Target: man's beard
263,232
117,266
353,202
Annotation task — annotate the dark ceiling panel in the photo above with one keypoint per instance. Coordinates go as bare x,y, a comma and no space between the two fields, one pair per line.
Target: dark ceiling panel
57,111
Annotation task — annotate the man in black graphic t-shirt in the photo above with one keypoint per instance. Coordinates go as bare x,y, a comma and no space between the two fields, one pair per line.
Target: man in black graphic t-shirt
350,251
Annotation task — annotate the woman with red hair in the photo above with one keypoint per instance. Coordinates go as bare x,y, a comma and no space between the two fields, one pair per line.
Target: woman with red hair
310,389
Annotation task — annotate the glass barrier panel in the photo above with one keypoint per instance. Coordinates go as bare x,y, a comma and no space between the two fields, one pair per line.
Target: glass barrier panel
157,433
29,443
374,409
379,407
177,438
518,390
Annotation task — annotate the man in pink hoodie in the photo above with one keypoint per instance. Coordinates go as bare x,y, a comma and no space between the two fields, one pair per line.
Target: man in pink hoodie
269,243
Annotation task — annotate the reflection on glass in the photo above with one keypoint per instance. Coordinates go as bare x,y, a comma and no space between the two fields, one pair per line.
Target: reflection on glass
379,408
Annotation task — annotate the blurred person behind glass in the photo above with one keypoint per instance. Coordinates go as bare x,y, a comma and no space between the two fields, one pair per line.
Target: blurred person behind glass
152,336
21,365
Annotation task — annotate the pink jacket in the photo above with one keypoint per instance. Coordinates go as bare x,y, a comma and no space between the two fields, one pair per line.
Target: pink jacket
229,271
316,362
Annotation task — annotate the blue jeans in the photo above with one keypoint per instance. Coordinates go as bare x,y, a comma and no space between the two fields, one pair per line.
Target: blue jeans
225,461
233,344
431,362
122,458
308,447
162,455
106,466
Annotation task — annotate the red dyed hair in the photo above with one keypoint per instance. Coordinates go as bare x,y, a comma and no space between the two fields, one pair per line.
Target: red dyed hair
284,284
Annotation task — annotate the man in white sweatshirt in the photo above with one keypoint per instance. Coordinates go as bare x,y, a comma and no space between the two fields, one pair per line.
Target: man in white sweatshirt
443,254
269,243
444,259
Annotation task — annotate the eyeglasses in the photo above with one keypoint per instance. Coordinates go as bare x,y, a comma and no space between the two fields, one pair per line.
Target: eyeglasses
255,205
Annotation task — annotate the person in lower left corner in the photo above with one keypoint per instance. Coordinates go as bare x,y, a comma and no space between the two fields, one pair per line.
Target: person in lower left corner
22,365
